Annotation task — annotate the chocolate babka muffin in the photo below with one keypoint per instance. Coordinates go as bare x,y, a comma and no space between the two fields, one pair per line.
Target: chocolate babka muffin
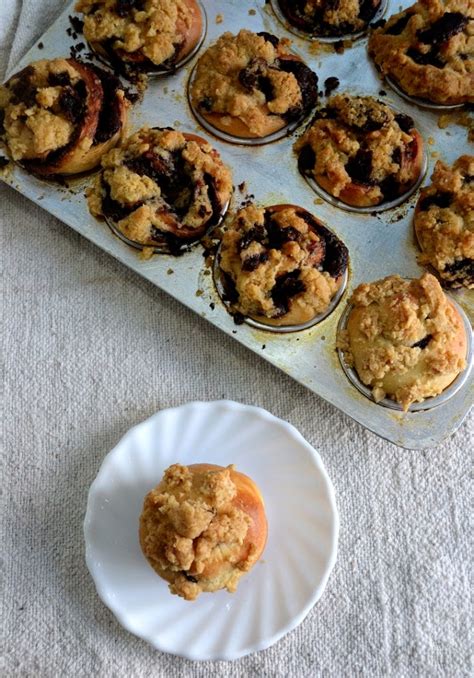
142,35
250,85
405,339
162,189
360,151
329,18
428,50
444,222
59,117
280,265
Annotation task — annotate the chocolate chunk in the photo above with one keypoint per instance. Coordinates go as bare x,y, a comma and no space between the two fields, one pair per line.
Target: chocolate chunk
398,26
59,79
189,577
22,87
239,319
432,58
306,159
3,162
206,104
254,261
214,199
72,102
330,84
109,117
397,155
443,199
124,7
423,343
278,235
462,271
448,25
307,81
249,76
76,23
230,293
286,286
359,167
269,38
336,254
390,188
405,122
255,234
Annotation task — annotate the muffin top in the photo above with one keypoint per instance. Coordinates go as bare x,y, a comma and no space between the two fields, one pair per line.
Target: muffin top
280,264
153,27
361,151
42,105
329,18
194,531
444,222
160,184
428,50
404,338
254,79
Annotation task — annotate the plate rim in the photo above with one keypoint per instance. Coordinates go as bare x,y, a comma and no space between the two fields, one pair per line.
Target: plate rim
296,620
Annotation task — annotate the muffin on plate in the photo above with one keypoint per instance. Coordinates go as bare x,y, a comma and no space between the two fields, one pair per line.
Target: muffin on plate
444,222
162,189
428,50
326,18
361,151
60,116
142,35
404,338
202,528
250,85
280,265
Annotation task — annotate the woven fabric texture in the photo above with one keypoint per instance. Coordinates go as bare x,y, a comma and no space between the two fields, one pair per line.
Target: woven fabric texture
90,349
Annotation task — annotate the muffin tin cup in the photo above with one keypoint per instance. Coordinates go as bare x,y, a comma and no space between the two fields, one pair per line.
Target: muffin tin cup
160,72
371,209
268,326
242,141
427,404
313,37
422,103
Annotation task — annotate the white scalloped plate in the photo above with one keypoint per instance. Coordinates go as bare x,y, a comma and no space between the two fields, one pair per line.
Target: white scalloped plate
279,591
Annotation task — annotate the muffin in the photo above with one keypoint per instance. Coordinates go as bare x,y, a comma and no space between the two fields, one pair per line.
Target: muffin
162,189
279,265
142,35
444,222
428,50
404,338
360,151
326,18
250,85
202,528
59,116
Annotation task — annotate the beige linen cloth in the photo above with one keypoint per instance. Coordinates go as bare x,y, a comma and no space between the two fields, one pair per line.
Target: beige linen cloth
90,349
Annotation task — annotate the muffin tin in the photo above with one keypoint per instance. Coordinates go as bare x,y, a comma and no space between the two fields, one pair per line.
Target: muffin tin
379,244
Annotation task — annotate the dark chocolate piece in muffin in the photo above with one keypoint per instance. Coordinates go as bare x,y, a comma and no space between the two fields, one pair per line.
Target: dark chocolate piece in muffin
329,18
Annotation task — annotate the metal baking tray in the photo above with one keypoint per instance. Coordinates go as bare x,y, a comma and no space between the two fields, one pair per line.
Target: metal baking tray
379,245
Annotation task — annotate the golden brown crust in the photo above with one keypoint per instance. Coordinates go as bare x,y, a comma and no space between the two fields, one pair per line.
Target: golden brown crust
444,222
251,86
157,33
360,151
327,18
202,528
428,50
404,338
162,186
279,265
54,118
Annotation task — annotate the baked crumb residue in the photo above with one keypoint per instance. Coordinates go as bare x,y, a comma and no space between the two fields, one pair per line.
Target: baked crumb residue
281,266
428,49
194,532
253,79
405,338
444,222
132,30
361,151
162,185
329,18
